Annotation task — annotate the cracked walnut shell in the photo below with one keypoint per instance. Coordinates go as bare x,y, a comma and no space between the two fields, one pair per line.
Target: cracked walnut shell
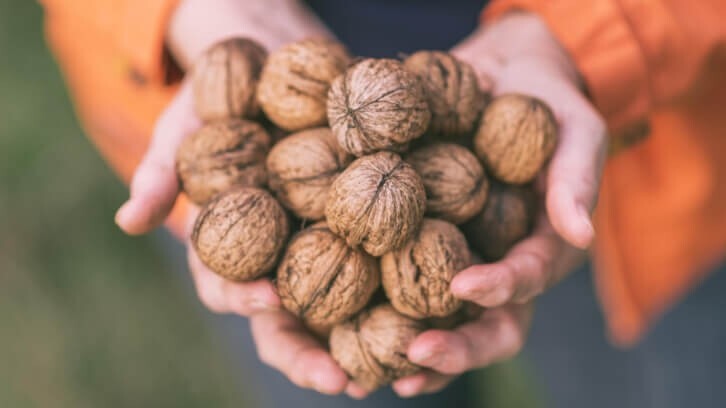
294,84
302,167
377,105
222,155
377,203
517,135
455,182
371,348
322,280
241,233
417,277
224,79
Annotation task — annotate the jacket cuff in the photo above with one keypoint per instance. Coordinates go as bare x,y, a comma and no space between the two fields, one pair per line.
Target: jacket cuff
603,47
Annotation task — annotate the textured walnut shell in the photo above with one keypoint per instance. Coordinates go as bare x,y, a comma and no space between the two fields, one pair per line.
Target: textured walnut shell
371,348
416,278
225,77
466,313
294,85
377,105
455,182
302,167
517,135
452,90
507,217
222,155
377,203
240,233
322,280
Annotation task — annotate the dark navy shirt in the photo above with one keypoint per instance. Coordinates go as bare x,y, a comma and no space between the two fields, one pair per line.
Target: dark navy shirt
386,28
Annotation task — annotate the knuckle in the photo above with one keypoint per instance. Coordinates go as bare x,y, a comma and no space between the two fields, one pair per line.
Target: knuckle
210,297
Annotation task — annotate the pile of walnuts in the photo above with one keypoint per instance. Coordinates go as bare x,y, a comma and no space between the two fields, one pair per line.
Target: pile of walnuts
392,173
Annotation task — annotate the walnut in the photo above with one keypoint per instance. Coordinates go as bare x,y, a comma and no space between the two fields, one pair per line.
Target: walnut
240,233
377,105
301,169
453,92
455,182
294,85
371,348
466,313
224,79
416,277
517,135
221,155
377,203
507,218
322,280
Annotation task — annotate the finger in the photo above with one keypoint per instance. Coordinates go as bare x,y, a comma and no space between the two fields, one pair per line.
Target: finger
154,186
573,178
284,344
355,391
426,382
525,272
498,335
222,296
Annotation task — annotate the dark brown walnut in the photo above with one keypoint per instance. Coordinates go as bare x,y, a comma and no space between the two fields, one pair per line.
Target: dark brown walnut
371,348
301,169
452,90
377,203
517,135
455,182
294,85
241,233
322,280
377,105
222,155
224,79
507,218
417,277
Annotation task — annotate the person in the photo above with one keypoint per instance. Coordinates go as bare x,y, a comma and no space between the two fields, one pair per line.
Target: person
635,86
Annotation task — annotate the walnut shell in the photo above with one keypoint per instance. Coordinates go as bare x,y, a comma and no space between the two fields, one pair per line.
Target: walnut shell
371,348
517,135
294,85
301,169
466,313
377,203
416,278
377,105
322,280
454,96
241,233
224,79
222,155
455,182
507,218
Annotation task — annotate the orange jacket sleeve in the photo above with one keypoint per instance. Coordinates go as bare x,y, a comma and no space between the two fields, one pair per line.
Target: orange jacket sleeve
635,55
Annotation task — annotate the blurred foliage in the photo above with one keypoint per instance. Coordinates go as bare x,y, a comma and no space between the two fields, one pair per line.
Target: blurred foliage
89,317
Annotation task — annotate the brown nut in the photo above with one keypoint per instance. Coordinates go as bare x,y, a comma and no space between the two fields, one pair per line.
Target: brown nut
371,348
507,218
377,203
517,135
455,182
294,85
377,105
302,167
241,233
224,79
222,155
322,280
466,313
452,90
416,278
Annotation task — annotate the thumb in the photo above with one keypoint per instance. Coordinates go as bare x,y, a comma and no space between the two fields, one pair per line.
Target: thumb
155,186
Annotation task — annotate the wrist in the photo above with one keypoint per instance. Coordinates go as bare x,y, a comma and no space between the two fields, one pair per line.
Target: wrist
195,25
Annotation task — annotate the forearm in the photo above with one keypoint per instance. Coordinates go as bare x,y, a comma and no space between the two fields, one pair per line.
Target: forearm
195,24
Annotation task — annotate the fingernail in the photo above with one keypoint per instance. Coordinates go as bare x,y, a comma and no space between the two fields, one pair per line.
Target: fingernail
586,222
425,357
121,214
319,383
405,391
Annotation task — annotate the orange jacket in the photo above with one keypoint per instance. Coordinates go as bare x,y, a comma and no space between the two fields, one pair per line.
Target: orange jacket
661,218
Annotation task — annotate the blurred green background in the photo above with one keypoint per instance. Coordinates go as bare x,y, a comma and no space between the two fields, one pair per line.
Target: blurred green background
89,317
